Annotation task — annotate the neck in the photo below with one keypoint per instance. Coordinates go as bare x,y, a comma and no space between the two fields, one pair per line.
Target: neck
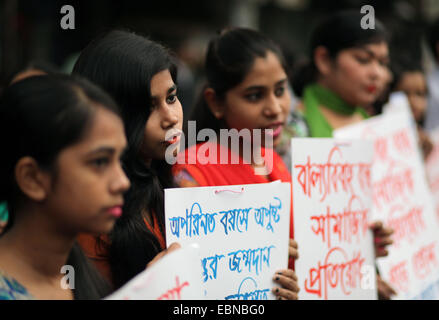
36,243
330,99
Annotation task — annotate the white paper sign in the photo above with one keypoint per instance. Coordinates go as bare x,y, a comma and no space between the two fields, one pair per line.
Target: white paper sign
433,169
332,200
242,232
403,201
176,276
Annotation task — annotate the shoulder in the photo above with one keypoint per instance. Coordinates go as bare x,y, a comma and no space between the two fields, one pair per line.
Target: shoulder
11,289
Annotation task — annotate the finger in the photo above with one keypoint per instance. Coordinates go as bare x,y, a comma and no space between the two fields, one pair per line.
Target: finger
288,273
389,289
286,282
383,242
376,225
381,253
384,232
293,243
284,294
174,246
293,253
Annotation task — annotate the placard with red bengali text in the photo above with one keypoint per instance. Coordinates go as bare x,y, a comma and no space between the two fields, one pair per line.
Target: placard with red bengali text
403,201
331,208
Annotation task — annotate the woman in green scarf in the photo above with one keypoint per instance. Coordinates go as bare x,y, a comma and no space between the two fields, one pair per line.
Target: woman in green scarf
347,72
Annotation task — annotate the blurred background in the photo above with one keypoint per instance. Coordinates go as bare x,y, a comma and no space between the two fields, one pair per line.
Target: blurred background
30,29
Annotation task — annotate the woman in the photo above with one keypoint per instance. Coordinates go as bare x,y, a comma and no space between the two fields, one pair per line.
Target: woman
62,139
348,71
141,76
247,91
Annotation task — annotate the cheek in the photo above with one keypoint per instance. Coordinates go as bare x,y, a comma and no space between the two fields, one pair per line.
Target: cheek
286,103
151,136
180,115
242,117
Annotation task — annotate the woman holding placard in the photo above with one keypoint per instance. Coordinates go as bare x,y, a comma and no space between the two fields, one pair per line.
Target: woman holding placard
61,176
348,71
247,91
141,76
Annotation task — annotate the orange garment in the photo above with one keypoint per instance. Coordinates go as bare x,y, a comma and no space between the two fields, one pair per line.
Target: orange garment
230,174
99,253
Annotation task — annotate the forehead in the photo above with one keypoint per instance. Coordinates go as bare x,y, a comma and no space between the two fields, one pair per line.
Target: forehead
160,82
265,70
106,128
413,78
379,49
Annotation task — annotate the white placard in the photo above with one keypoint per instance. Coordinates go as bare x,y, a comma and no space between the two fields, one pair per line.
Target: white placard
403,201
332,200
432,165
164,281
242,232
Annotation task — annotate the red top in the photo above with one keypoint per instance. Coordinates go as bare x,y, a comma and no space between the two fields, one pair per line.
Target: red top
99,255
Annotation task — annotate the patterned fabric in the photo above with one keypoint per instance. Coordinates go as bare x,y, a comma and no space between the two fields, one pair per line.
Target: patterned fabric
295,128
3,212
11,289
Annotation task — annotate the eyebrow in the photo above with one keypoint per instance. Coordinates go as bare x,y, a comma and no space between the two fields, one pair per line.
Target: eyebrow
371,53
283,81
105,149
170,90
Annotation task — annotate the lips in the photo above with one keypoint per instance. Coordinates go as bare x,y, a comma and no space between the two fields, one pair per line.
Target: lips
115,211
277,129
371,89
173,137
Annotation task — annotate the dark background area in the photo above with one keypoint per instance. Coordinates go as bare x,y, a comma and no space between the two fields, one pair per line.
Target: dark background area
30,29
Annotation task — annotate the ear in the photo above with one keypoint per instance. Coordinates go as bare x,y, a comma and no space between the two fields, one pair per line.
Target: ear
323,60
215,106
31,179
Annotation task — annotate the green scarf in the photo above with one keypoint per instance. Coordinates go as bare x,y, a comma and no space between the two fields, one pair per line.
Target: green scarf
3,212
314,96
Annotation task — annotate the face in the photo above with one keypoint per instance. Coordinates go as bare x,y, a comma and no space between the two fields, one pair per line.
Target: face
359,75
414,86
261,100
89,183
165,122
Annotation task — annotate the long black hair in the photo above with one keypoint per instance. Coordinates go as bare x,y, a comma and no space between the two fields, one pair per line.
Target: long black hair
230,56
338,32
39,117
123,63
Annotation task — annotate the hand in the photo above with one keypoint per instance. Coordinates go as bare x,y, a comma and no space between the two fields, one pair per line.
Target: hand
382,238
174,246
293,250
385,291
289,289
425,143
2,226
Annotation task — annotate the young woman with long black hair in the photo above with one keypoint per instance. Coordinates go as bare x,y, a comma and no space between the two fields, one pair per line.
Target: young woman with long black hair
140,75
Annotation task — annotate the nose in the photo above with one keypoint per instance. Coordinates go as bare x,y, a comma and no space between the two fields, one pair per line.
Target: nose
120,183
169,117
273,106
377,71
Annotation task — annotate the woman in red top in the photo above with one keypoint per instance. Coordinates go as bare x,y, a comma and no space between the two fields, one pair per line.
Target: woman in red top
247,90
141,76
